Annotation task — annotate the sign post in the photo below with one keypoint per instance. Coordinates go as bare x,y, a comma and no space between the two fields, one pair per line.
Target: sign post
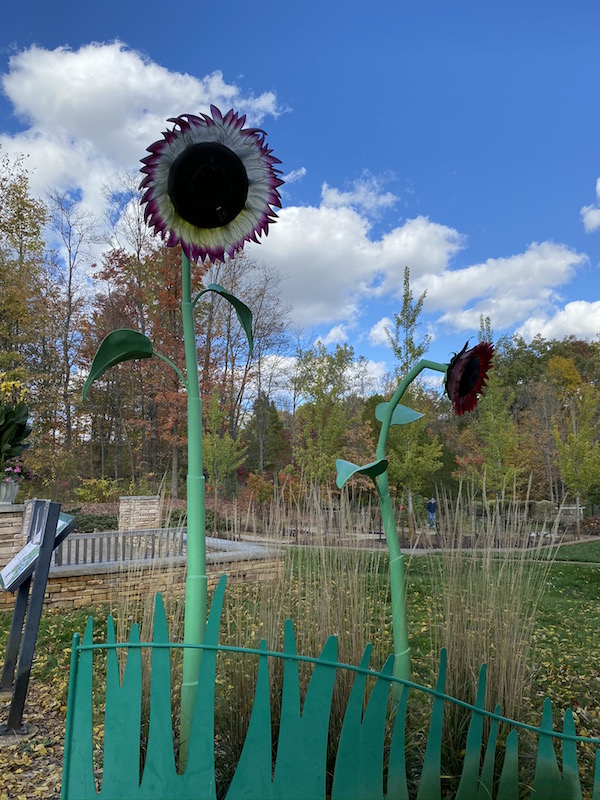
46,529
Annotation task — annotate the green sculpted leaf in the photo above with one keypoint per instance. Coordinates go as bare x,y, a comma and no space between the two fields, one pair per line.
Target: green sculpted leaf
547,781
402,415
120,345
346,469
241,309
470,779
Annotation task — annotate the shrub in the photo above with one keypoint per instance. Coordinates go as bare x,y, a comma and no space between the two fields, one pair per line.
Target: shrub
99,490
89,523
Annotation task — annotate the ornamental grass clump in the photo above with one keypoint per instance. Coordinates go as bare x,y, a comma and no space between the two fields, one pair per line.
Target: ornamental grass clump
324,591
486,589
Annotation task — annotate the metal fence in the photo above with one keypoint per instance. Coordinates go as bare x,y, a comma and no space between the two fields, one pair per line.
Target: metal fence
112,547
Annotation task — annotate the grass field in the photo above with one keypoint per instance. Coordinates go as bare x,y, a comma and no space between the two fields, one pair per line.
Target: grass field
564,654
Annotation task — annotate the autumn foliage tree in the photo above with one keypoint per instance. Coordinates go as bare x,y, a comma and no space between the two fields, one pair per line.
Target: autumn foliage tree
284,410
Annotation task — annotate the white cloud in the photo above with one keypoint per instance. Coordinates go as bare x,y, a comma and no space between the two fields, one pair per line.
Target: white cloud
91,113
377,373
579,318
508,290
378,333
337,335
591,214
366,195
332,266
424,246
591,218
433,381
295,175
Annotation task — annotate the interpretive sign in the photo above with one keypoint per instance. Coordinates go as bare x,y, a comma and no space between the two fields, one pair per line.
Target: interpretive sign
23,564
45,528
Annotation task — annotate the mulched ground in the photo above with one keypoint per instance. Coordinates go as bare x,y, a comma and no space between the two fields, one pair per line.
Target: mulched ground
31,766
589,526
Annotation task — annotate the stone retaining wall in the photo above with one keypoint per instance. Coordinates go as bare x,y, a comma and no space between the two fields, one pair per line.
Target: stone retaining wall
11,540
79,587
88,585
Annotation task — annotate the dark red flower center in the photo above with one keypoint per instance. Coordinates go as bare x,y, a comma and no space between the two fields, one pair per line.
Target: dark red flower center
470,376
208,185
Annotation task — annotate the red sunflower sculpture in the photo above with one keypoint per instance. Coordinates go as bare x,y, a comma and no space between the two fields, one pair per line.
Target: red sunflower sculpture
467,375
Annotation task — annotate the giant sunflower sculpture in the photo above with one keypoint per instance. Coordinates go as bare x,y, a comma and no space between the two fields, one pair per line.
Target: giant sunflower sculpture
210,184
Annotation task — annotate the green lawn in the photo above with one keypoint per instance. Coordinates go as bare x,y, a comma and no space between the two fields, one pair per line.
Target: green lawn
580,551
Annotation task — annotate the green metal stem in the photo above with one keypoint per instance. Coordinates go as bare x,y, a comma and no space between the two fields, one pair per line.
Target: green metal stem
397,578
196,581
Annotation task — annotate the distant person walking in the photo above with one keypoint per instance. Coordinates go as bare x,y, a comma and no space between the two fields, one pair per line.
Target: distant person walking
431,513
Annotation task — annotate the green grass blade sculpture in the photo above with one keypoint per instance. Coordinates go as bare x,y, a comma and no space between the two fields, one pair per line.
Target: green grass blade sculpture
359,760
299,769
123,714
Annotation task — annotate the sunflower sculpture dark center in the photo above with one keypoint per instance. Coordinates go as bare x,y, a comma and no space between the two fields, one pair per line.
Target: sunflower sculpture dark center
467,374
470,376
208,185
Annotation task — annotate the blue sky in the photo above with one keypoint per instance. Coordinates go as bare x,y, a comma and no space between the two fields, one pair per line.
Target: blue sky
458,138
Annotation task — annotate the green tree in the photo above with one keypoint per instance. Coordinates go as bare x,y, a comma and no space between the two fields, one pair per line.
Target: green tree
404,339
579,449
415,455
496,431
324,379
22,269
222,455
264,438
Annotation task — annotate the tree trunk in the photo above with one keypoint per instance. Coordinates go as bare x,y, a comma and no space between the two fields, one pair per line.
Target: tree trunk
174,465
410,514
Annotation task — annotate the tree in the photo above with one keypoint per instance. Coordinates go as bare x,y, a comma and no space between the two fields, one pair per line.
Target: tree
412,447
496,432
77,231
22,269
415,456
226,360
221,454
30,315
404,338
264,438
324,380
579,449
137,412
